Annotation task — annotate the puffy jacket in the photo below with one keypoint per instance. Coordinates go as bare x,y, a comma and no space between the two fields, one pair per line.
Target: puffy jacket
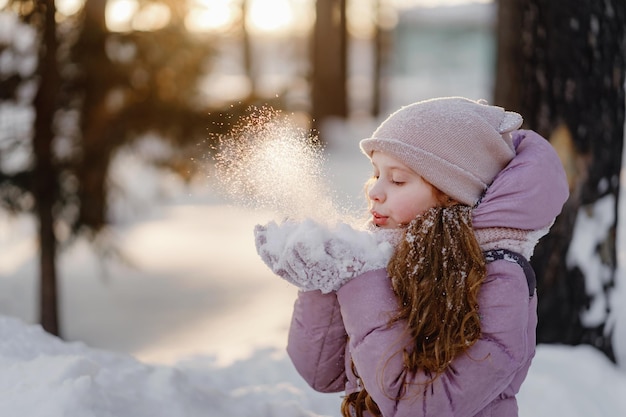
330,332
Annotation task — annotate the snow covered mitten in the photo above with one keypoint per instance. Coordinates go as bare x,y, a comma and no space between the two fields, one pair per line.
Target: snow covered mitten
313,256
270,241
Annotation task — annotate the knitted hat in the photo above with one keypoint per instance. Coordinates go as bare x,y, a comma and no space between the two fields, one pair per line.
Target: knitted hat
456,144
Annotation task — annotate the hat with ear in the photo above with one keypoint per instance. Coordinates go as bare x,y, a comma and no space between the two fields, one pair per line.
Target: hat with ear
456,144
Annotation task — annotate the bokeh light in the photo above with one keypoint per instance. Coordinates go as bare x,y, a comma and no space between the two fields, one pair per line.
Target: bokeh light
120,13
153,16
270,16
212,15
68,7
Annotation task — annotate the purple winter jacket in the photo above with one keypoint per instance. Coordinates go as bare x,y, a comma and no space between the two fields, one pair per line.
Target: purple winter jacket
330,331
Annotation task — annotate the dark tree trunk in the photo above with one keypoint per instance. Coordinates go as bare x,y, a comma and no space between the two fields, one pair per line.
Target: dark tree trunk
571,66
379,51
248,60
508,87
97,146
330,38
45,185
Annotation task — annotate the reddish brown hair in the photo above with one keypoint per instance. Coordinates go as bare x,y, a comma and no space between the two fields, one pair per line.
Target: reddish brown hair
436,273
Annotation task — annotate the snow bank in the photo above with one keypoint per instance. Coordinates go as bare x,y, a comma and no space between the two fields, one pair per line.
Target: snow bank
42,376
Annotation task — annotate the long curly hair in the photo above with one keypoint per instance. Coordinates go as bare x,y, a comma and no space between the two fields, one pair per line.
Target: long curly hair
436,273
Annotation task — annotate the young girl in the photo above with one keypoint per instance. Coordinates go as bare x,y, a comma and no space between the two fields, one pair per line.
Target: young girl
443,324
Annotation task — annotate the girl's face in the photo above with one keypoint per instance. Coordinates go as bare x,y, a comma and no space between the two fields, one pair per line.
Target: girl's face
396,193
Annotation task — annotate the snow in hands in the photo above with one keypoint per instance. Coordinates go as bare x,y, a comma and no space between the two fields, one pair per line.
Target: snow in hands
315,256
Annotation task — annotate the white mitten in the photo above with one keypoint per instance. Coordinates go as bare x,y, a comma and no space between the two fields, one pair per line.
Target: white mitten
274,243
313,256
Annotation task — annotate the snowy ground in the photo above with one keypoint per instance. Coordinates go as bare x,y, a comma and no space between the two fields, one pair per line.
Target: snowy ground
193,324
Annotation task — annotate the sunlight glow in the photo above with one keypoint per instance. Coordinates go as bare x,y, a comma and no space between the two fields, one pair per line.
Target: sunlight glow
270,15
126,15
153,16
210,15
69,7
120,13
433,3
262,16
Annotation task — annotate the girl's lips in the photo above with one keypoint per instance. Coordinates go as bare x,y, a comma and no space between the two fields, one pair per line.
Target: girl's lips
378,219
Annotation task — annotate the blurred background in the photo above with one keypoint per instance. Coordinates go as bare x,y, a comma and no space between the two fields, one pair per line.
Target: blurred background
110,109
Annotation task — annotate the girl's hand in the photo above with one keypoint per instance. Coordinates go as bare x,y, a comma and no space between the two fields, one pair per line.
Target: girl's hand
313,256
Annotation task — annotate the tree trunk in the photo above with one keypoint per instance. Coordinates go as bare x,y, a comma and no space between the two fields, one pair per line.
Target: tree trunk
329,95
571,63
248,60
378,62
508,87
96,145
45,187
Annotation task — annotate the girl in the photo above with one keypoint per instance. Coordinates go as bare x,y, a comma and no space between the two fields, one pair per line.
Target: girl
447,328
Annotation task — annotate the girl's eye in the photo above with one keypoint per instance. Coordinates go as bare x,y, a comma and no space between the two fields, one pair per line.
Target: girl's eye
394,182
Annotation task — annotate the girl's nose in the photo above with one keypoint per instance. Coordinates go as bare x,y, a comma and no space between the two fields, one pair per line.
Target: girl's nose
375,192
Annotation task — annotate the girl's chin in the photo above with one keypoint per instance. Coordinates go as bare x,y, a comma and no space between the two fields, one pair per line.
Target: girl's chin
382,223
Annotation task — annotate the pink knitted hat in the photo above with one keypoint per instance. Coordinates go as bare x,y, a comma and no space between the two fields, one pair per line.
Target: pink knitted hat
456,144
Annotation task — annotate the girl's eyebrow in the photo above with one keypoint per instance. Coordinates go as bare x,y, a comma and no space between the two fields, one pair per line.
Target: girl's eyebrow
395,168
390,166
